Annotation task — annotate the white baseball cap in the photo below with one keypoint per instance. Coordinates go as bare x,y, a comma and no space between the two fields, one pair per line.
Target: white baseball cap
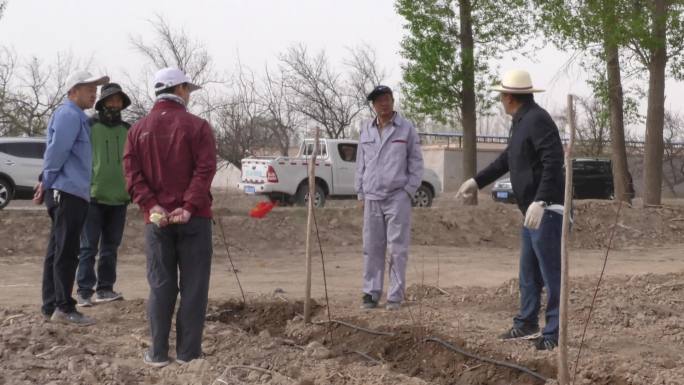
80,77
169,77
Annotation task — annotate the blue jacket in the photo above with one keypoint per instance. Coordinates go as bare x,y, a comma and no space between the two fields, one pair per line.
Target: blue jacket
68,161
388,164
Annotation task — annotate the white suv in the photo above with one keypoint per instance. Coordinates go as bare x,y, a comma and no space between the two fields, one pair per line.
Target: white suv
21,161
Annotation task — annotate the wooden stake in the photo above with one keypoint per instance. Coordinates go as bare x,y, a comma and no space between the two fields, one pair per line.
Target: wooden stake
309,224
563,372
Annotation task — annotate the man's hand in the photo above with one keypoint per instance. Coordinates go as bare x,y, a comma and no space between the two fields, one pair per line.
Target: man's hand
38,194
159,216
179,216
467,190
534,215
361,203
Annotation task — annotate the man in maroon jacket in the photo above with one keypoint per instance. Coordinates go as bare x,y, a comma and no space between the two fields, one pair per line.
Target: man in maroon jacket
170,161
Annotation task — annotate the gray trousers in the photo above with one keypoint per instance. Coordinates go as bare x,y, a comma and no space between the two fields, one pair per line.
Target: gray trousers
386,226
178,258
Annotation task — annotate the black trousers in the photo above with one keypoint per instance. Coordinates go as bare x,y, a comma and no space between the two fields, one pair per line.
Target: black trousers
68,213
178,259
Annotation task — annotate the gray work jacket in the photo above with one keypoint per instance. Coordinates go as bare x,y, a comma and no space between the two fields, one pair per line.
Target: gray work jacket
388,164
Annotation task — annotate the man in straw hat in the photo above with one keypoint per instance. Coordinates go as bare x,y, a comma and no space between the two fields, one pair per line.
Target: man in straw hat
170,161
109,199
65,188
534,158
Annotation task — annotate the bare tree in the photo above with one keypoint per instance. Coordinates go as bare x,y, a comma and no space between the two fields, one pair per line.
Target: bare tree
593,130
279,108
364,71
8,64
30,92
239,133
235,133
169,47
247,114
321,94
139,91
241,130
174,48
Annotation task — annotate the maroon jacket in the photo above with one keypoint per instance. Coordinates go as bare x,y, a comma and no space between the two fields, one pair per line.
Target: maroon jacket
170,160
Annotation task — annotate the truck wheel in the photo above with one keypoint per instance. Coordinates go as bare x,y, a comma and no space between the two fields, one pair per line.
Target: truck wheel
282,200
302,196
5,193
422,197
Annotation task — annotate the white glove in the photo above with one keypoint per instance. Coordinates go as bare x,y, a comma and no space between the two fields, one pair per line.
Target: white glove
467,189
534,215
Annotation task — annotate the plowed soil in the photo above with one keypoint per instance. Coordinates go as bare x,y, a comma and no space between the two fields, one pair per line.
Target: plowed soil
462,290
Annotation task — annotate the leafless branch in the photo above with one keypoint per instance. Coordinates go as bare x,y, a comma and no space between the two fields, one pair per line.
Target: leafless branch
30,91
169,46
321,93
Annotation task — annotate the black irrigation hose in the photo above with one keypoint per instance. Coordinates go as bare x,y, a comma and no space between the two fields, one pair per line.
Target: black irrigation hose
359,328
485,359
366,356
443,343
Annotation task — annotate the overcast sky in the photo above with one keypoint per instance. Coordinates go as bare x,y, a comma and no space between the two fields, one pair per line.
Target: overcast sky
256,30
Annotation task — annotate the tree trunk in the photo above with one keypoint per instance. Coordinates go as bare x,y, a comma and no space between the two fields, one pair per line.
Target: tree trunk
655,114
617,125
468,113
284,141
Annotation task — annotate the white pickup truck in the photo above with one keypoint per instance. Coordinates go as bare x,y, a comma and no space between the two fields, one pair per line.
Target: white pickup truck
285,179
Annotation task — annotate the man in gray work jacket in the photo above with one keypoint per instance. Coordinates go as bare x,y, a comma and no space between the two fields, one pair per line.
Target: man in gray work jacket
389,170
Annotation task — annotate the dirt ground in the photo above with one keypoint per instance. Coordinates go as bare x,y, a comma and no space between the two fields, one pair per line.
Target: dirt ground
462,289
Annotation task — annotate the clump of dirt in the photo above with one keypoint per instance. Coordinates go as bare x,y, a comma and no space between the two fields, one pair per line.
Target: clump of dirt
407,351
255,317
419,291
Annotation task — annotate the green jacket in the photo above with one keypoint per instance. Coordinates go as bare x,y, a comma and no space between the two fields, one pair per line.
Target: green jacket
108,185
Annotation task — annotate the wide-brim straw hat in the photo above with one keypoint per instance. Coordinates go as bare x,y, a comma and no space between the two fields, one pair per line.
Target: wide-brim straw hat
516,82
